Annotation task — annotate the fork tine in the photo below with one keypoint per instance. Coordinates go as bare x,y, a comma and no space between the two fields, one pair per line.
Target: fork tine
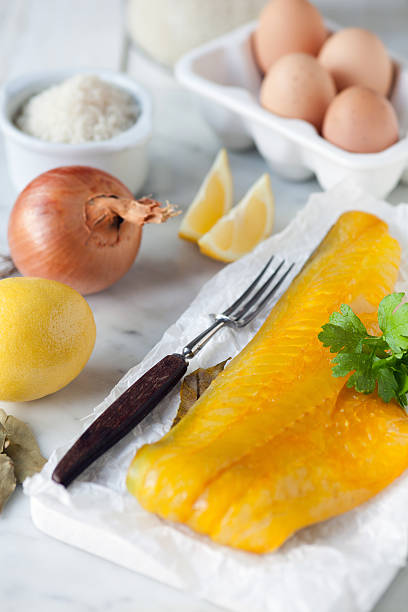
247,309
258,306
247,292
246,306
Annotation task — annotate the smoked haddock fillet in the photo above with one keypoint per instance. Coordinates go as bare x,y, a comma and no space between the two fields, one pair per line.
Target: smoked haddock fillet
218,470
326,463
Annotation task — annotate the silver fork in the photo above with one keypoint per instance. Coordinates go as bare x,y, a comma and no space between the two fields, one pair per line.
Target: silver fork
143,396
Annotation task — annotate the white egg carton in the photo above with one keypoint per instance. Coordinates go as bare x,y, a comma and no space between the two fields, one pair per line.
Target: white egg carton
223,72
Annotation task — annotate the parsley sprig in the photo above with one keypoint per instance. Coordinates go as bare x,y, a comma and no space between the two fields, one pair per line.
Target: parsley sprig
376,361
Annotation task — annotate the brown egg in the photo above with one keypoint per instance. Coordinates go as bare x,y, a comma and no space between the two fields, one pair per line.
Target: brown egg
287,26
357,57
361,120
297,86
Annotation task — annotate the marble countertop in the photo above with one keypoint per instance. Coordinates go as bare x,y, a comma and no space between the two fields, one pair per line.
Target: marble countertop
37,572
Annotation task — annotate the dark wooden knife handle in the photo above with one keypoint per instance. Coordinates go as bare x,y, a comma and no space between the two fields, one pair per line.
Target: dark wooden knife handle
121,417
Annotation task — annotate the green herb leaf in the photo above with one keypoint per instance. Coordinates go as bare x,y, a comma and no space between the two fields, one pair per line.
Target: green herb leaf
387,384
402,377
344,332
373,361
393,322
363,378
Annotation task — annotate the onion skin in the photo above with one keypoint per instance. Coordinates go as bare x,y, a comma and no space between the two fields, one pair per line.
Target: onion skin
50,234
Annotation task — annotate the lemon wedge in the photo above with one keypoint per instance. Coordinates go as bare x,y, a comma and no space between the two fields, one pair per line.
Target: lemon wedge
249,222
213,200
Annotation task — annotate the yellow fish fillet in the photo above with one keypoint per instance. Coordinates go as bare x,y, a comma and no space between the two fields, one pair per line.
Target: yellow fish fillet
324,464
212,471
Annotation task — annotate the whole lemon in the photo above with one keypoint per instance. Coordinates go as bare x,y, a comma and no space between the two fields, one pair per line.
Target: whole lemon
47,334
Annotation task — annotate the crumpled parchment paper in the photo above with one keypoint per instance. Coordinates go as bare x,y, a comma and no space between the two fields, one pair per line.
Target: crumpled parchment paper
343,564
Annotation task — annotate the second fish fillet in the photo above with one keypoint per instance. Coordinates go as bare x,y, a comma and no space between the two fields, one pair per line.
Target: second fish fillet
326,463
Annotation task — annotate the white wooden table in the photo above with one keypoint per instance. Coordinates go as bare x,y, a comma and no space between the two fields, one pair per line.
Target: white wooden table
36,572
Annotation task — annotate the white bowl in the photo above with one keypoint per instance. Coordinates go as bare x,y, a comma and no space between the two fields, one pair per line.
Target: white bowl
124,155
223,72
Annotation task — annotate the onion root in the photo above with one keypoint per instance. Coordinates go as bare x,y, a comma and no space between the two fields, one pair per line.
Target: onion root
104,214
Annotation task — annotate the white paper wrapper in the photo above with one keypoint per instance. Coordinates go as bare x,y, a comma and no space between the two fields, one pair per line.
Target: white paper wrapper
341,564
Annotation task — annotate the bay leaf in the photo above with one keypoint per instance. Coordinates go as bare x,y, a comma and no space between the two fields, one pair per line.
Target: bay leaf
3,417
194,385
7,479
22,449
3,437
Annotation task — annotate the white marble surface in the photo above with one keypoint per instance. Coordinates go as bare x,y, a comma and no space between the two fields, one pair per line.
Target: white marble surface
38,573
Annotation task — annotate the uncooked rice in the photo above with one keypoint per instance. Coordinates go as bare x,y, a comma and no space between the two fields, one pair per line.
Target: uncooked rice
83,108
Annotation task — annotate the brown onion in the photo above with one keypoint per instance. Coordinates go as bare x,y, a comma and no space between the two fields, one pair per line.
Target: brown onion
80,226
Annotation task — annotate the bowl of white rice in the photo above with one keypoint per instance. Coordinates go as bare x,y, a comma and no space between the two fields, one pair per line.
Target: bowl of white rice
95,118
